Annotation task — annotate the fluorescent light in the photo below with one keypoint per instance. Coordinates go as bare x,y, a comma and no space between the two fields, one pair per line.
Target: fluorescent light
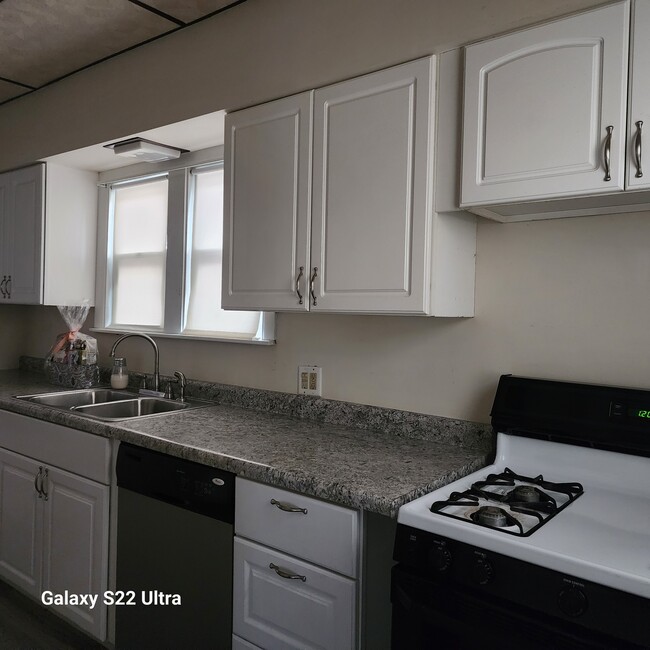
145,150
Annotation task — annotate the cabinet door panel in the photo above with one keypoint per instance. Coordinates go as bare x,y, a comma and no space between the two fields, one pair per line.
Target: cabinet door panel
23,250
277,613
21,526
266,204
639,101
537,107
371,209
75,544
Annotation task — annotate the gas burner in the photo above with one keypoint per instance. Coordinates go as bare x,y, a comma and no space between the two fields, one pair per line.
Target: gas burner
509,502
525,493
493,517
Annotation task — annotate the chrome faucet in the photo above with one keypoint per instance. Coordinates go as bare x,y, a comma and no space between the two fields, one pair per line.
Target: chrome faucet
156,367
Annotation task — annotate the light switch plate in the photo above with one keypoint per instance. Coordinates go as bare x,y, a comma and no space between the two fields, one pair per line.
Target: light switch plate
310,380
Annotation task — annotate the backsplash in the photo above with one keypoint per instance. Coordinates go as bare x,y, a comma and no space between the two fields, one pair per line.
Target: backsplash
359,416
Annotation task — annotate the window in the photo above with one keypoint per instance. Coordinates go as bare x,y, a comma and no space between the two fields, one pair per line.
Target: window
163,237
139,244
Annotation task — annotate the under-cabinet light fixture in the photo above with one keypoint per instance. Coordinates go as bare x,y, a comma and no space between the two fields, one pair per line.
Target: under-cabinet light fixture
145,150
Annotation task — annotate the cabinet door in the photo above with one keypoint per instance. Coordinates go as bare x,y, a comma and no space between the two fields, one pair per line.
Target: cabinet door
21,529
371,215
638,167
538,105
266,205
279,613
22,248
75,544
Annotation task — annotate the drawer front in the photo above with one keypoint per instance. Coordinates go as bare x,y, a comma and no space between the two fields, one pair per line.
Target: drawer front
76,451
327,534
280,613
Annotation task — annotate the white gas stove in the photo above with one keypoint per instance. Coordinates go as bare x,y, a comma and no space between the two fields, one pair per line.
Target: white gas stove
555,526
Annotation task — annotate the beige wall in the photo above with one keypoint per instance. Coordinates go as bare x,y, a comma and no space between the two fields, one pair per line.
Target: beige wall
563,299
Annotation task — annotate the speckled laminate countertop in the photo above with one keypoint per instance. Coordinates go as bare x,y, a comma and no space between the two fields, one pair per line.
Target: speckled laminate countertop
310,446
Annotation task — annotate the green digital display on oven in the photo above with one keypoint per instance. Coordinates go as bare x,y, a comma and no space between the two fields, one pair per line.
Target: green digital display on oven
639,413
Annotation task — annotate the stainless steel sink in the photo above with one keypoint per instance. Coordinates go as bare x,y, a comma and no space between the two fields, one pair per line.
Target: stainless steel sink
131,408
74,398
109,405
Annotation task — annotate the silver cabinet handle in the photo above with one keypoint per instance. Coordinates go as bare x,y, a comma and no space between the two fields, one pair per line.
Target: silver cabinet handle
287,507
286,574
608,152
637,149
44,483
36,484
2,286
311,286
302,268
8,287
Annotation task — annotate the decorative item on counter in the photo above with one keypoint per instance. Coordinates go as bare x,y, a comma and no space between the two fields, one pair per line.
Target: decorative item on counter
120,373
72,361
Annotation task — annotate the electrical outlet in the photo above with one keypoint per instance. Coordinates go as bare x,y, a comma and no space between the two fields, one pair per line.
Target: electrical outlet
310,380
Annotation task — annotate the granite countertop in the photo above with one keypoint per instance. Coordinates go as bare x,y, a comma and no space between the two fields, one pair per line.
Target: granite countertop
313,446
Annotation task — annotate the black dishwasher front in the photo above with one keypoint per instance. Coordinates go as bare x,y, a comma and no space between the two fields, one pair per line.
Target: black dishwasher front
174,543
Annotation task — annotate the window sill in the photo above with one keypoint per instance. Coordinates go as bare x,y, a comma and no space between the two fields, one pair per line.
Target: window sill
184,337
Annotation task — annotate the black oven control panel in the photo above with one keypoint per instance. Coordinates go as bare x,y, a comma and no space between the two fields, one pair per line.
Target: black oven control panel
603,417
497,579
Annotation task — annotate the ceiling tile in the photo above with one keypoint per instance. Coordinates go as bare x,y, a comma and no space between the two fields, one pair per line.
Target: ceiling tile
188,10
41,40
9,90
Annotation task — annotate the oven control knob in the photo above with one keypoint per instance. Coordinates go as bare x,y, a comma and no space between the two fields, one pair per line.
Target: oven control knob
572,601
482,571
439,558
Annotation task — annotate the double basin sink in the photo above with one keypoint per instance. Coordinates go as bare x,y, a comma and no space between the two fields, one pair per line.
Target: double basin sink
110,405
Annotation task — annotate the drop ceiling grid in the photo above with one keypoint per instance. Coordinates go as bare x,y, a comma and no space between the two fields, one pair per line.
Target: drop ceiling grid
44,40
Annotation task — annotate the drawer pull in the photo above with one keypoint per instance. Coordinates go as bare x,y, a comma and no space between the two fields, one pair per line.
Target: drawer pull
45,484
37,487
287,507
285,574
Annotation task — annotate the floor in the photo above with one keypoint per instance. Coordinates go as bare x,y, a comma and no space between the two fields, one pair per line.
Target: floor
25,625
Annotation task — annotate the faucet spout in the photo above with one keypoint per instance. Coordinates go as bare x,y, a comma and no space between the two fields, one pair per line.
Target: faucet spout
156,368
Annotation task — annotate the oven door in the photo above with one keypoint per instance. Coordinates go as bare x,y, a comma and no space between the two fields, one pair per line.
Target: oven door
429,615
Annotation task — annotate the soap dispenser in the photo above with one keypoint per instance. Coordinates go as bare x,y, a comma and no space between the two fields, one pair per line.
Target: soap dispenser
120,373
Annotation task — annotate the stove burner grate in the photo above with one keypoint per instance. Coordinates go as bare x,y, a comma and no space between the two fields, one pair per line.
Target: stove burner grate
528,498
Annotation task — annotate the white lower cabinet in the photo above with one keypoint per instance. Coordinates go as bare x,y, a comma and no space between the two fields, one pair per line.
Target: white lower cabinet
282,602
54,523
295,577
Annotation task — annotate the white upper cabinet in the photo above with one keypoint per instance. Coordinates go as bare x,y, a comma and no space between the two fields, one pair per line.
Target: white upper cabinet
267,202
638,173
371,204
21,257
48,217
544,112
351,228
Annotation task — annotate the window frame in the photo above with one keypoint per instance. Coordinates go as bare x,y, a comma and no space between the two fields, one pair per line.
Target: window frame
180,202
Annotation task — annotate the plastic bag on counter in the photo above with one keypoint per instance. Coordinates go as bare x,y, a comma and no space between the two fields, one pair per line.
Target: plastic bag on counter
72,360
